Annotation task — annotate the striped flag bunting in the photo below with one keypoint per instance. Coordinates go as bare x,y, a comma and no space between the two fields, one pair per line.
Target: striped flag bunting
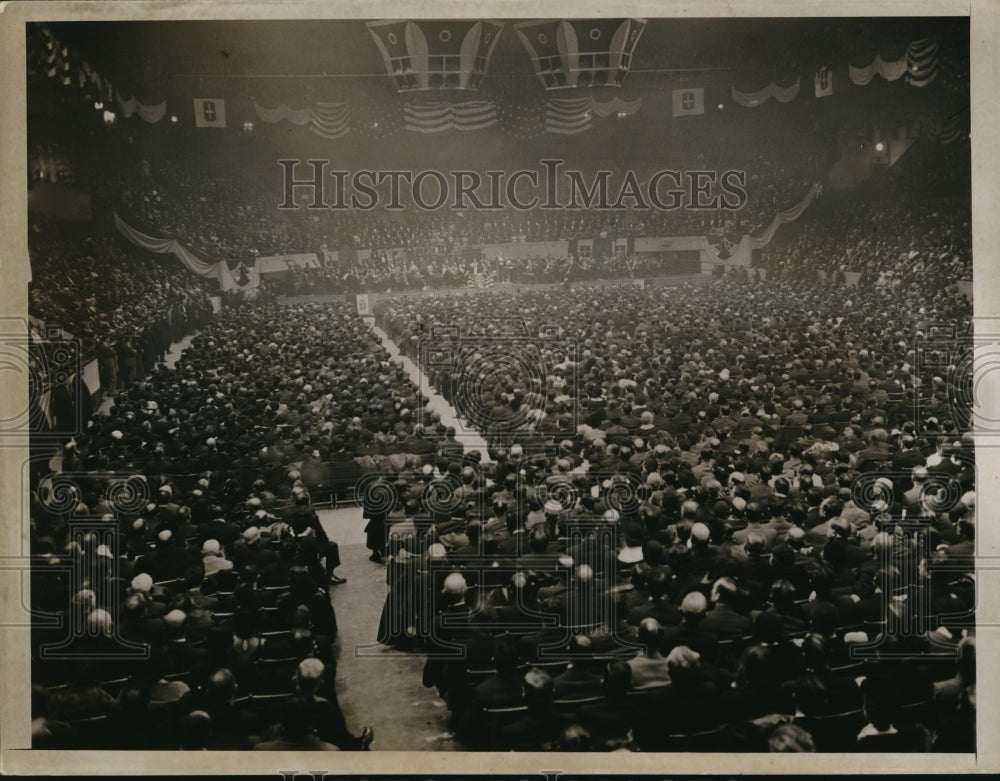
948,131
439,116
568,116
331,120
326,119
921,62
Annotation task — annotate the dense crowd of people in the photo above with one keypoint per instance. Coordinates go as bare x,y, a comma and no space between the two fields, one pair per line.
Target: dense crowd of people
775,441
684,527
219,209
927,243
213,563
732,514
123,307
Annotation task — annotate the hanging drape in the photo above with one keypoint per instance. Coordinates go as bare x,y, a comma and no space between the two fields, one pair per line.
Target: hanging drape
789,215
166,247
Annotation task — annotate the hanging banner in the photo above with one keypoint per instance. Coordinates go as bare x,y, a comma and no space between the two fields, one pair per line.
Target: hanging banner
688,102
209,112
823,82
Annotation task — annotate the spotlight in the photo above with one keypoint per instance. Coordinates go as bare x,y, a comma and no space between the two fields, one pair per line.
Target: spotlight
879,146
109,118
98,104
173,118
721,106
248,126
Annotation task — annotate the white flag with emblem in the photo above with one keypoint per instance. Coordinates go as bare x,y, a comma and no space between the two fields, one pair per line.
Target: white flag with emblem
209,112
688,102
824,82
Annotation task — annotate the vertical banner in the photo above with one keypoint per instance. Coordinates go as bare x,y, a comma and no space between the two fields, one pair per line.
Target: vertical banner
362,302
823,82
688,102
209,112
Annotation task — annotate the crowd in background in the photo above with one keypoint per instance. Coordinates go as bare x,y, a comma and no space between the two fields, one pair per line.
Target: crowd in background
110,301
415,271
924,243
232,212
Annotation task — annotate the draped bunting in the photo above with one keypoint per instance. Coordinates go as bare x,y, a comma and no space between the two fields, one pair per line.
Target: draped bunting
919,63
890,71
946,132
568,116
244,276
772,90
617,105
300,116
149,113
167,247
329,120
922,62
789,215
438,116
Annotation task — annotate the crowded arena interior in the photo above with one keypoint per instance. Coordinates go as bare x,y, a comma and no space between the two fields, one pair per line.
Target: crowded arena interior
501,385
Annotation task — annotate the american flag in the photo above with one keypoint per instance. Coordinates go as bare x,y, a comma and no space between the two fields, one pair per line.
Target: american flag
438,116
524,119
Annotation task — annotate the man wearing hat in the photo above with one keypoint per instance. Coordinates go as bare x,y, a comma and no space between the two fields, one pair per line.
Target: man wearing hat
213,558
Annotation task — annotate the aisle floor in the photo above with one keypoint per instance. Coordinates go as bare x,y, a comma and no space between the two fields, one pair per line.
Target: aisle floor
377,686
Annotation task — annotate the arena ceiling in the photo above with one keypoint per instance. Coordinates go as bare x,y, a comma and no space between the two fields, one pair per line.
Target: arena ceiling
159,59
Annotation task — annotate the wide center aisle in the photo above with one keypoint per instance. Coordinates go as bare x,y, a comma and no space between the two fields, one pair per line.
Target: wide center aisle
377,685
